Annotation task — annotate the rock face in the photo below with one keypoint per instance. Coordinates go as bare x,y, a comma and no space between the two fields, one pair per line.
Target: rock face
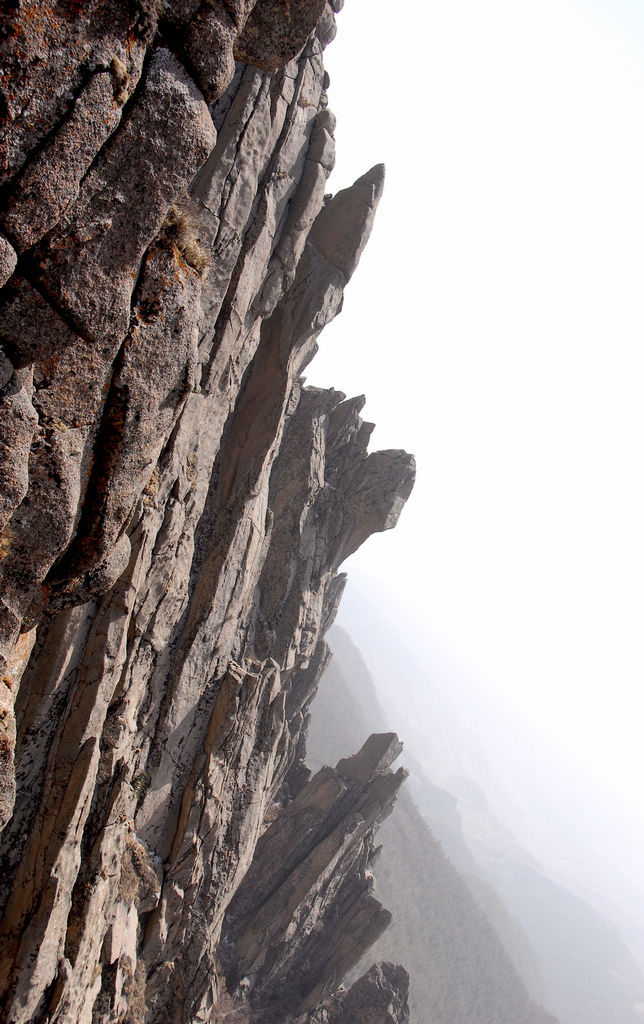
304,913
174,504
378,997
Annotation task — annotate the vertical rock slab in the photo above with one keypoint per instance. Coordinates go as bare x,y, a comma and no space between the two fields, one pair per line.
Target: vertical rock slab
304,914
155,371
18,420
70,382
91,264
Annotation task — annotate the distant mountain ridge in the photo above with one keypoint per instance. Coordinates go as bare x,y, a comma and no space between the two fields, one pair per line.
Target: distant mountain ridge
569,957
460,972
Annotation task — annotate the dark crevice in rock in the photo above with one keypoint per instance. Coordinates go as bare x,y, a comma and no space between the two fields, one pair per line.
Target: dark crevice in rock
9,184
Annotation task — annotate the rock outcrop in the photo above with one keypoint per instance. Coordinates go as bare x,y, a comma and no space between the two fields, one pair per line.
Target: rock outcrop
174,503
378,997
305,913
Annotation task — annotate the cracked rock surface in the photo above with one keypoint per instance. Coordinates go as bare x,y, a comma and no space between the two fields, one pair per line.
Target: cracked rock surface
175,506
305,911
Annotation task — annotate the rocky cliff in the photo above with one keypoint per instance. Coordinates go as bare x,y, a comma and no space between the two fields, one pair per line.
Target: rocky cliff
174,507
304,909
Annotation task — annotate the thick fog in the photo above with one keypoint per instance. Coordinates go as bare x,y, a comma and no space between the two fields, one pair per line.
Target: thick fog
496,325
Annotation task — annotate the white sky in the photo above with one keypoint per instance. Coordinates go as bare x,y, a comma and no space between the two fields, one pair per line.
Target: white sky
496,325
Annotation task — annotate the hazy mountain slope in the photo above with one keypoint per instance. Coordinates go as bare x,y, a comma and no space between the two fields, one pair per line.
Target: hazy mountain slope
590,976
440,810
536,788
465,975
587,972
347,708
459,969
342,712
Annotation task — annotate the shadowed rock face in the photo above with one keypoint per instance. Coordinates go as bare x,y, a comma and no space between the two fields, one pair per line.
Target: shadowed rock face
174,504
305,913
378,997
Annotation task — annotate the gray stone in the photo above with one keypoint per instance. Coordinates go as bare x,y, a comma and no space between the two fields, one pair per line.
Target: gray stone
90,264
8,260
45,53
18,421
276,31
156,371
52,180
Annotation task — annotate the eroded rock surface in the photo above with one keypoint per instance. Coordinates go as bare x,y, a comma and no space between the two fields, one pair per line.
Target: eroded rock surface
378,997
175,505
305,912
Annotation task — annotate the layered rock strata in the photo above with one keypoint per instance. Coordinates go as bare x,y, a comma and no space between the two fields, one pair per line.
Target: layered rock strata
305,913
175,505
378,997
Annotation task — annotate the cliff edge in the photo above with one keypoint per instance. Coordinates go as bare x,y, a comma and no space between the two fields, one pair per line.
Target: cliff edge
175,506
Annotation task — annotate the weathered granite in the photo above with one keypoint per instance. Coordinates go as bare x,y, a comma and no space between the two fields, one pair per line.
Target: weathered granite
49,51
90,264
175,504
268,46
52,180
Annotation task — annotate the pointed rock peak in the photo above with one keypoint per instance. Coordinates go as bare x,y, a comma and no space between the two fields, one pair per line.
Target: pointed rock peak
346,420
375,756
378,997
342,228
372,182
355,405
